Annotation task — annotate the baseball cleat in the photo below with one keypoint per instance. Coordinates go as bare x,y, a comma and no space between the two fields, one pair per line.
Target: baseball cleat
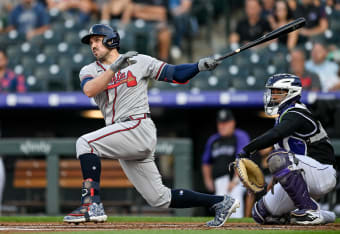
91,213
306,217
223,210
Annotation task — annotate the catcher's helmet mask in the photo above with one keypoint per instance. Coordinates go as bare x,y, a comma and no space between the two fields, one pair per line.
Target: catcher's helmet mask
111,37
292,87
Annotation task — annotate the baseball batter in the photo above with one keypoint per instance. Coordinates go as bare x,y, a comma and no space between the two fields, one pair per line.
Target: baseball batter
302,161
118,83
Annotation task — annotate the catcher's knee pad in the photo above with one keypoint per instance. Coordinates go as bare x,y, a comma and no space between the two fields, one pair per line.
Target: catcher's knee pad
82,146
278,163
290,179
260,212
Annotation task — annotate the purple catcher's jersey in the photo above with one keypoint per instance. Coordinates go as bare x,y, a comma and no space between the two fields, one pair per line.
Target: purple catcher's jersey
126,94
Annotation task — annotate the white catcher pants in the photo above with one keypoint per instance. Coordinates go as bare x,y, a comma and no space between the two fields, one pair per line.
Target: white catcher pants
320,179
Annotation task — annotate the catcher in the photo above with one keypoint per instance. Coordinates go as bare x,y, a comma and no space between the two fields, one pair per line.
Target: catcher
302,161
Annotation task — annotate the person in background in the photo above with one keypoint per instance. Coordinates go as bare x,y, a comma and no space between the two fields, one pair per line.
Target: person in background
283,15
155,11
310,80
116,9
327,70
9,81
82,12
180,14
267,8
315,16
29,18
251,27
220,151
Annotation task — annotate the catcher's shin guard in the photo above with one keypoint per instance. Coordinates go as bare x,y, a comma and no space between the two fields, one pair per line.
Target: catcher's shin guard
91,208
291,180
259,212
261,215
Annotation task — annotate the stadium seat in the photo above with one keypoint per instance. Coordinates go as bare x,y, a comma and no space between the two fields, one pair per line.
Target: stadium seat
71,71
39,80
14,38
72,37
13,54
57,79
51,52
52,37
28,48
29,64
144,36
208,81
258,72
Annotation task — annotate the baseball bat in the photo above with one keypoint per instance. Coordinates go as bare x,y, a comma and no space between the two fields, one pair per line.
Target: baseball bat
285,29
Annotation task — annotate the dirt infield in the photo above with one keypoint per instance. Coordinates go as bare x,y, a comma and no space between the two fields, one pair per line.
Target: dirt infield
45,227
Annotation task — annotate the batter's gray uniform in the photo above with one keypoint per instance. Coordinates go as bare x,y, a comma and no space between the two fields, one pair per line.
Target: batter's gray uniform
131,142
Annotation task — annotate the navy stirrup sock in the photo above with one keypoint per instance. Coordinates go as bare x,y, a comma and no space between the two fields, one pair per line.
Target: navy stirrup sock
182,198
90,166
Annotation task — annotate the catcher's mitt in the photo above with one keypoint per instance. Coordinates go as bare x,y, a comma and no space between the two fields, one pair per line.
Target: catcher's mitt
250,174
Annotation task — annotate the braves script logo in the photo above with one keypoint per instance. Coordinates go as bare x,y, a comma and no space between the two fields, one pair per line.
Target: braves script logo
122,78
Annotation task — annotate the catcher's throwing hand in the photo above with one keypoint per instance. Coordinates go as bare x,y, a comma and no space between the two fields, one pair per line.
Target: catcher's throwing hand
123,61
250,174
207,64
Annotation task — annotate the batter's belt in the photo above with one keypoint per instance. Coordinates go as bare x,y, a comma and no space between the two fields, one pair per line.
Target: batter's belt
133,117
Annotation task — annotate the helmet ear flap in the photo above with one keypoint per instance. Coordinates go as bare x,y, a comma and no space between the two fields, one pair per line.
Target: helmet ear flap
112,40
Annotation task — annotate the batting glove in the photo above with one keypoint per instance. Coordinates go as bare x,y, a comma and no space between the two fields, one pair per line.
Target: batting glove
123,61
207,64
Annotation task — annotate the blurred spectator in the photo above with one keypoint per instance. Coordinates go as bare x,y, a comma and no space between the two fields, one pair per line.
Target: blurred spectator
116,9
155,11
292,4
310,80
327,70
5,7
268,8
9,81
81,11
181,18
315,16
29,18
220,150
252,27
281,16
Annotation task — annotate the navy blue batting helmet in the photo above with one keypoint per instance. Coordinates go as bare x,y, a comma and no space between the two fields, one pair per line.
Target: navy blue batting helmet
111,37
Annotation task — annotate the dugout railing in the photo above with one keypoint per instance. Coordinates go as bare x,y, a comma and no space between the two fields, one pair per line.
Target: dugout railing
53,148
